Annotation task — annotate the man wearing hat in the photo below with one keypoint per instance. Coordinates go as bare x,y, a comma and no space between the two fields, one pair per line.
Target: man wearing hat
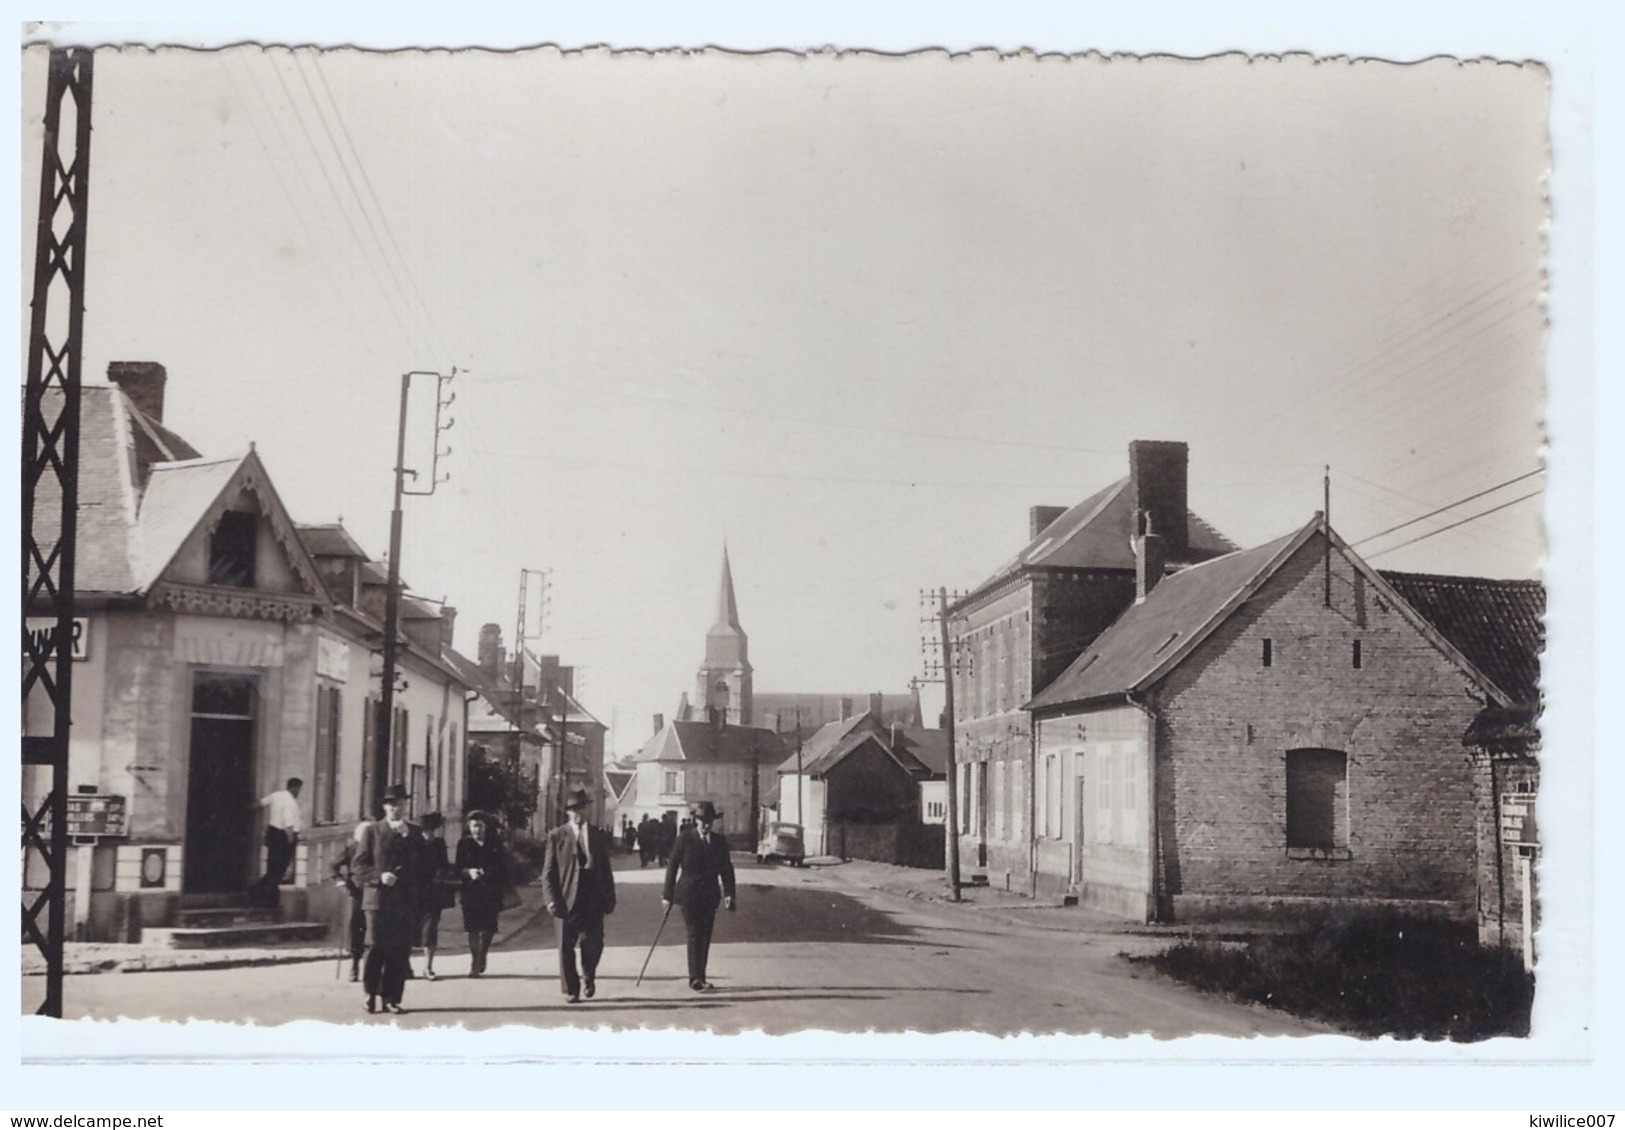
390,867
580,891
698,878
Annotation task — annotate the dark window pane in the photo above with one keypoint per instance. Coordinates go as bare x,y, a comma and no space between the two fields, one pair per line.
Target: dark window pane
1315,798
231,550
222,694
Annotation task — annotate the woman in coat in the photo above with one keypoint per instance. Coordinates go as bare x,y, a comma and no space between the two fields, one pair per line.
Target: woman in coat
439,891
483,867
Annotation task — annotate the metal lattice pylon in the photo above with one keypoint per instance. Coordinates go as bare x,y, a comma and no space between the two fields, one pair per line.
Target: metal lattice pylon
50,483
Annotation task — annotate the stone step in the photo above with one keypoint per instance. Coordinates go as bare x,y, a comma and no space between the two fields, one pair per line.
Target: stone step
243,934
198,917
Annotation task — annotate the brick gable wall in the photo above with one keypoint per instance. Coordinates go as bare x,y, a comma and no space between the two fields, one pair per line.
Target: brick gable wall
1226,722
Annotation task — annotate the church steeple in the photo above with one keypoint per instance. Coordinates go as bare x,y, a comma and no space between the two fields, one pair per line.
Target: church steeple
727,609
725,676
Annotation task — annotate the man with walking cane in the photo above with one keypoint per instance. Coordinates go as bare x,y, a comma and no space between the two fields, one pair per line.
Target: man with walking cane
698,878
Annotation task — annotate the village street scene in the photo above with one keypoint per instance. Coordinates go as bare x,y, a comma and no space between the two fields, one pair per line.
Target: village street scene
750,544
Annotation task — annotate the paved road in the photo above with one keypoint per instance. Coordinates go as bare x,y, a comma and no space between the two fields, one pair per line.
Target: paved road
804,951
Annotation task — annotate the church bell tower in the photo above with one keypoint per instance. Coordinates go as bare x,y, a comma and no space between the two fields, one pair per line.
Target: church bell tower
724,685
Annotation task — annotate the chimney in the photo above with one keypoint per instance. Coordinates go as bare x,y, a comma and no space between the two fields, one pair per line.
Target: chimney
548,680
490,654
448,625
877,704
1157,480
143,383
846,709
660,722
1040,518
1150,557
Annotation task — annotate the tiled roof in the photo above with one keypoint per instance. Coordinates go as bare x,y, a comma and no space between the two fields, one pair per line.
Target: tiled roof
578,715
1174,613
824,739
1499,625
177,498
330,540
1155,634
107,494
704,741
928,747
1095,534
917,751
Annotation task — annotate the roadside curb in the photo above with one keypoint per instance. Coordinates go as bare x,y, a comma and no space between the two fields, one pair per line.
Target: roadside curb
1029,914
165,960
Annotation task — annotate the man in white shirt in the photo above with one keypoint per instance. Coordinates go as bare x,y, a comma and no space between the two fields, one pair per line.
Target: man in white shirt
282,827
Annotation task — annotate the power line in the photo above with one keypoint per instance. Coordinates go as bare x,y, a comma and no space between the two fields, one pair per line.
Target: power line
377,206
1448,506
1453,525
332,188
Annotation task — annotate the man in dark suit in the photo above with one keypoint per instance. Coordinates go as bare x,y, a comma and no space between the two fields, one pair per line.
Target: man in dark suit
698,878
580,891
389,866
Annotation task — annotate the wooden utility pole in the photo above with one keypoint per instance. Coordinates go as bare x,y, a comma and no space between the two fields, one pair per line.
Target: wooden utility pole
953,773
382,746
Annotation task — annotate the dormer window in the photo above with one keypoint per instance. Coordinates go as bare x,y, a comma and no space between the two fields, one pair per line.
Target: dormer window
231,550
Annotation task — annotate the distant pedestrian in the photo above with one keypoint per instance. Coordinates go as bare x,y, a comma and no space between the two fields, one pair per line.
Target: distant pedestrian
629,835
344,876
439,890
483,867
665,837
579,884
282,826
389,866
646,840
699,877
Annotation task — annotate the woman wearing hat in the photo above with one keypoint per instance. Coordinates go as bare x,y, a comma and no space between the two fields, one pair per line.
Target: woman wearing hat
390,868
698,878
482,866
439,889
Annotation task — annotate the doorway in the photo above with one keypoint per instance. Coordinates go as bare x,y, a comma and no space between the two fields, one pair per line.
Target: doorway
220,817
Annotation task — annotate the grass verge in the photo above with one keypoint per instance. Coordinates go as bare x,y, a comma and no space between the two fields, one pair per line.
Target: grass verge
1374,975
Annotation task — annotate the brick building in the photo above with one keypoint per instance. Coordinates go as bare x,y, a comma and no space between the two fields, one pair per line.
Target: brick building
1274,730
1016,632
1499,625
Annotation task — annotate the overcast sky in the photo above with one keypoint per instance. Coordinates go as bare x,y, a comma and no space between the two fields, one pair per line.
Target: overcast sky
852,315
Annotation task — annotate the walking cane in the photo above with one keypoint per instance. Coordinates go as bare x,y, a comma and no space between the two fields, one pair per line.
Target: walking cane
652,946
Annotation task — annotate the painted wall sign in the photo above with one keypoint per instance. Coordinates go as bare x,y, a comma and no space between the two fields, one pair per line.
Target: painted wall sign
41,632
332,658
1518,819
96,814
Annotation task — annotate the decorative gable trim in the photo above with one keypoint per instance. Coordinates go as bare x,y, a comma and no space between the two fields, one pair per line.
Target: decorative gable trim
250,476
216,600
